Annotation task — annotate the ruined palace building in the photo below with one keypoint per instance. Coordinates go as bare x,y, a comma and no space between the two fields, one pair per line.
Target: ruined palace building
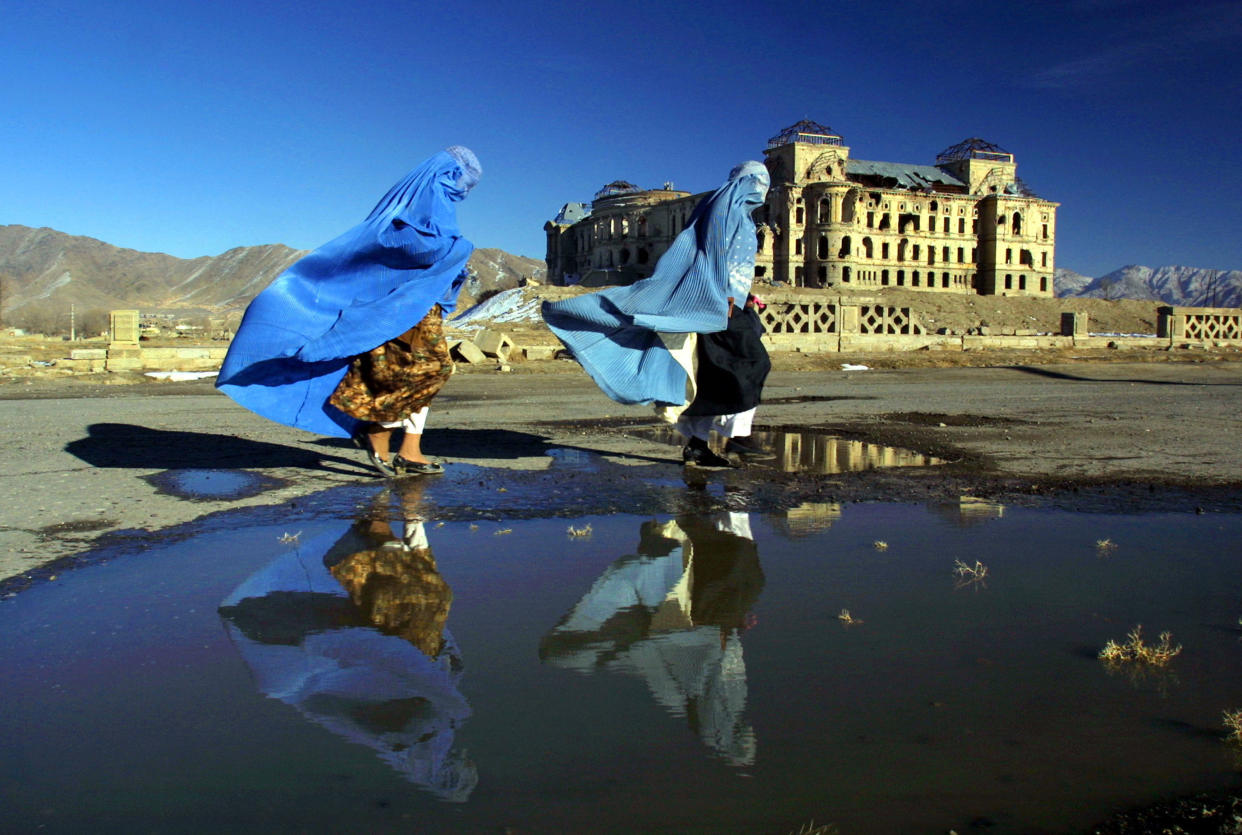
967,224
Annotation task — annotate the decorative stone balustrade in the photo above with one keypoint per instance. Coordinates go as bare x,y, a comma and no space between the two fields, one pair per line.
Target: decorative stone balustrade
827,323
1200,324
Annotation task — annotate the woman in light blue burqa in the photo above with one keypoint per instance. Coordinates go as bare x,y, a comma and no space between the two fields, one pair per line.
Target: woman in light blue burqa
685,339
348,341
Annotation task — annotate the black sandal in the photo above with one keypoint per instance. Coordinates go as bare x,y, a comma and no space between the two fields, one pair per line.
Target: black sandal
363,441
404,467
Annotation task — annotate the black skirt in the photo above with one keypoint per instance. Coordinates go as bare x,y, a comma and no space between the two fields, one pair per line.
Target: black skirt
733,365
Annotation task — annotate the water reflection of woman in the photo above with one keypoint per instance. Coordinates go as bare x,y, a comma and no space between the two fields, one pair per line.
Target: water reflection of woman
673,614
356,641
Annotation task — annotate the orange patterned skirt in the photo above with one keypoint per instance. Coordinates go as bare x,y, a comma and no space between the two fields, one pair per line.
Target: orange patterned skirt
395,380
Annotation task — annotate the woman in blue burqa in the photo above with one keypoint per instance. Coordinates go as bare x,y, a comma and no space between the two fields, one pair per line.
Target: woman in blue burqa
687,338
349,340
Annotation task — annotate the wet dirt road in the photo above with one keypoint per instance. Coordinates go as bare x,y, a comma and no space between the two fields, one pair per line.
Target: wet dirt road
80,460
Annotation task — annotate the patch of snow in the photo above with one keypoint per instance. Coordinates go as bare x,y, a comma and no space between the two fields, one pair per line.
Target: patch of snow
505,306
851,367
64,279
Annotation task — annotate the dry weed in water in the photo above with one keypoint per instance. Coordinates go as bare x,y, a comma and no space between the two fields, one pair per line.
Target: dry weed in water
970,576
970,573
1105,546
846,618
812,829
583,531
1233,721
1134,651
880,545
289,538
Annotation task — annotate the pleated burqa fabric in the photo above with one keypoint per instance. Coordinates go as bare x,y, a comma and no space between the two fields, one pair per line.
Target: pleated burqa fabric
615,333
350,295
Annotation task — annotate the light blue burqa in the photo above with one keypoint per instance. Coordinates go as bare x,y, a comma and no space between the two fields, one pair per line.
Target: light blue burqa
615,333
354,293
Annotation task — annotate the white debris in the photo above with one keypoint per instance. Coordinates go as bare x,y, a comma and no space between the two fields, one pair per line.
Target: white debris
851,367
181,376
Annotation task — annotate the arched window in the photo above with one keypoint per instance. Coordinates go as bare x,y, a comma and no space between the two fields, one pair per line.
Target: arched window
867,248
847,207
845,247
821,249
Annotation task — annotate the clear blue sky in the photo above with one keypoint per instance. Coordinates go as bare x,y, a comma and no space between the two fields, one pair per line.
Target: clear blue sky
194,127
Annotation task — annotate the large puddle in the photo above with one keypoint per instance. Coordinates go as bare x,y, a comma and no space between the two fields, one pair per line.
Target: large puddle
724,672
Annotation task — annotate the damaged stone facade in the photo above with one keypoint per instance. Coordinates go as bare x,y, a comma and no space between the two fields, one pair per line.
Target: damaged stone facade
964,225
618,238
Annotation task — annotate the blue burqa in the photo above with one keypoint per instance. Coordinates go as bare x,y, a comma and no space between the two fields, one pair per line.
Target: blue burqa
615,333
350,295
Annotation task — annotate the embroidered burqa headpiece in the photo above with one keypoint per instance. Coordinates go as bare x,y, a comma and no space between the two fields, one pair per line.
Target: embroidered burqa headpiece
350,295
614,333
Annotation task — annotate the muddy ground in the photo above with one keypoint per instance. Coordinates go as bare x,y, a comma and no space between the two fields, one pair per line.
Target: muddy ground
91,456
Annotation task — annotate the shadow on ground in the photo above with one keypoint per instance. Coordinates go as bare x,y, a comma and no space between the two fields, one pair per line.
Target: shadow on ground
124,445
1080,378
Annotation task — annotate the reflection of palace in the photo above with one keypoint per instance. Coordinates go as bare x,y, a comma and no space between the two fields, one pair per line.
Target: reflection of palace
353,636
673,615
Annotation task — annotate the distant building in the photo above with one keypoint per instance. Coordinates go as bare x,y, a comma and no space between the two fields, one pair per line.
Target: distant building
967,224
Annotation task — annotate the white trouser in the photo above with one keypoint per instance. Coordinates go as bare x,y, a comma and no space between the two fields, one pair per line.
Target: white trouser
413,424
731,426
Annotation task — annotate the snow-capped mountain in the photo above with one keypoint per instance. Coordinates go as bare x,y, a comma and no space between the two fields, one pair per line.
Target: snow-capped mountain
1183,286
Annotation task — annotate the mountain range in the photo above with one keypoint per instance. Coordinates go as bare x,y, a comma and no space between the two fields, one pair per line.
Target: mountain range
1180,286
44,272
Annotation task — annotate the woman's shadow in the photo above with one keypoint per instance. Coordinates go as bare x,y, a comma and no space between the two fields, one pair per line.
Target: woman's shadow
127,446
124,445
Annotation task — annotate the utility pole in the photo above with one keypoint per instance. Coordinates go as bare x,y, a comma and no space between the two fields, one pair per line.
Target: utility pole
73,333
